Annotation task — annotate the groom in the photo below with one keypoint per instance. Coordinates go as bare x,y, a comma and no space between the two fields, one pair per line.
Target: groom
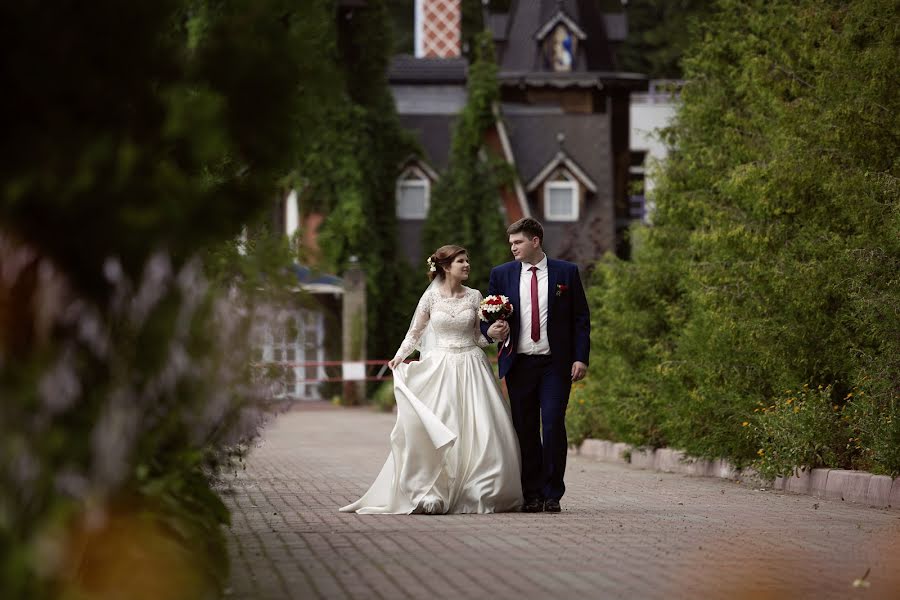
545,347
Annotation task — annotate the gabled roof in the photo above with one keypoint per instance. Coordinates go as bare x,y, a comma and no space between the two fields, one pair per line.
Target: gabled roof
521,52
560,17
422,164
533,137
561,160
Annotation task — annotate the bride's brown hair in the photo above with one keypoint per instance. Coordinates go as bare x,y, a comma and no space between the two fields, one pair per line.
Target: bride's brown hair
442,258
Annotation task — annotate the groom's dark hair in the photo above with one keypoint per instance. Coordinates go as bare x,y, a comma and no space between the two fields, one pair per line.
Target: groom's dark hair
530,227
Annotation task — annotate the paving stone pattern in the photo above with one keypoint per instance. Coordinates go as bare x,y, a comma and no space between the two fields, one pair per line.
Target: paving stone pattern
623,532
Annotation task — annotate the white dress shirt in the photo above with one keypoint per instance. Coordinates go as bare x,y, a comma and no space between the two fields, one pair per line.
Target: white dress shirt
526,344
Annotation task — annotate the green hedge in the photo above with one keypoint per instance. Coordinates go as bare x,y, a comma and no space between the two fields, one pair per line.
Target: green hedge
138,139
759,319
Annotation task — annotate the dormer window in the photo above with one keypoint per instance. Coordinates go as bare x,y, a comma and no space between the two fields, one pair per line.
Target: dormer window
563,186
413,193
561,197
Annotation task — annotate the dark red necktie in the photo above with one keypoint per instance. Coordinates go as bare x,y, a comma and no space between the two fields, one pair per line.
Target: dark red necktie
535,307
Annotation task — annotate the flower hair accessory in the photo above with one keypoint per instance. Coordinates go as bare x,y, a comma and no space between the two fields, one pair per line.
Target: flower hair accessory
430,262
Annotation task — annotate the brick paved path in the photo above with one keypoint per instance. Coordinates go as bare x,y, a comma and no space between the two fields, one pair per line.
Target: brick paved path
623,533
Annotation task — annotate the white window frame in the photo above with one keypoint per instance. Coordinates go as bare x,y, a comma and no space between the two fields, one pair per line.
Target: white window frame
412,178
572,186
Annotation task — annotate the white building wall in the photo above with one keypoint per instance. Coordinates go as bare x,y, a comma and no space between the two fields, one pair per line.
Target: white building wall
646,121
650,113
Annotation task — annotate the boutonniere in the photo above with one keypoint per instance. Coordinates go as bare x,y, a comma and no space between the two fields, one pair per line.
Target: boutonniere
561,289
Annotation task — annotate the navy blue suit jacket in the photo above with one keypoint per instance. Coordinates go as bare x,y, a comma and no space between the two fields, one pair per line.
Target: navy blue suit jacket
568,317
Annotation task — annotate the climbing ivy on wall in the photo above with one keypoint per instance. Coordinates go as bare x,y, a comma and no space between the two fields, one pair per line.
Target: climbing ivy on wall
350,168
465,207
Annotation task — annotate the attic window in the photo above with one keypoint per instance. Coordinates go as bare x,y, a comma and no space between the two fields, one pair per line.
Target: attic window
413,195
561,200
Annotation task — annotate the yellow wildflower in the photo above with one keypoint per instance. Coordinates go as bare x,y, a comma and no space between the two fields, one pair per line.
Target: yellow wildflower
745,424
760,452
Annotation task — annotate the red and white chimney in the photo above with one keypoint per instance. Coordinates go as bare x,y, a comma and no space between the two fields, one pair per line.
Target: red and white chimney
438,26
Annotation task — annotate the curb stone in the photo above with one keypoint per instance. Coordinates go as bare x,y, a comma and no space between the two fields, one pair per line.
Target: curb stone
895,494
879,492
847,485
833,484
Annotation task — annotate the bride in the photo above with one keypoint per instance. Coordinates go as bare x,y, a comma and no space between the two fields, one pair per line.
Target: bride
453,448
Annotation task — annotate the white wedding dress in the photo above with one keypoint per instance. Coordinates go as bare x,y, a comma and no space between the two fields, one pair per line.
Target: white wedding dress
453,448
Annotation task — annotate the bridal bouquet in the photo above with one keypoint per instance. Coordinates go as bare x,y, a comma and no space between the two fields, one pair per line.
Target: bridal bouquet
495,307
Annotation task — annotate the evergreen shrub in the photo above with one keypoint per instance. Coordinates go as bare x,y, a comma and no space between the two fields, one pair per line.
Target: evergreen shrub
772,260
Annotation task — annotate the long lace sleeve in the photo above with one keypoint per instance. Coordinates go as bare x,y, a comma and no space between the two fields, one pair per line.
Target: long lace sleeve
479,338
417,327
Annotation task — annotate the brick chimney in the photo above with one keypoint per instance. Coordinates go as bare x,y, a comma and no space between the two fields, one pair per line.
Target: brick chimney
438,26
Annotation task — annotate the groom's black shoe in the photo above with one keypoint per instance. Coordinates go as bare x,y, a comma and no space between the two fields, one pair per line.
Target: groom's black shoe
533,505
552,506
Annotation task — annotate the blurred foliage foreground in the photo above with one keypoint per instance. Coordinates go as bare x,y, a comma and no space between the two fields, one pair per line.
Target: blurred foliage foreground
138,139
760,318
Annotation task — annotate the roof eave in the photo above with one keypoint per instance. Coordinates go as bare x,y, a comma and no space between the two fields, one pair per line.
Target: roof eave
581,79
541,33
561,159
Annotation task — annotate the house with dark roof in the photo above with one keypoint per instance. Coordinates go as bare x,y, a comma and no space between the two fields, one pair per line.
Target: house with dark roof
563,119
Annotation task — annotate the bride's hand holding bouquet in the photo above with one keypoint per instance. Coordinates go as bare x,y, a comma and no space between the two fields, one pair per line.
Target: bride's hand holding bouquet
496,309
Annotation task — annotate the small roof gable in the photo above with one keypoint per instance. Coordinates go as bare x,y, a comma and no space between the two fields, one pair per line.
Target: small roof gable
561,160
421,164
534,138
560,17
599,25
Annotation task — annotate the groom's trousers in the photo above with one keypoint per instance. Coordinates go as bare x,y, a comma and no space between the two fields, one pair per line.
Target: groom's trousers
538,395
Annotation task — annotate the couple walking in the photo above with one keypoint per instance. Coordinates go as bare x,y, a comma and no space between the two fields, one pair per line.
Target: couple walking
457,447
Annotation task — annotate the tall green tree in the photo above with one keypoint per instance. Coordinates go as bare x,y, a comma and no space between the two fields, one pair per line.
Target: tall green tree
465,207
121,152
136,137
659,33
350,170
760,318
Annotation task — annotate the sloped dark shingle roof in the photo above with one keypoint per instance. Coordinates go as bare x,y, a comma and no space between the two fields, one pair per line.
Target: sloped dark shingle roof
526,17
409,69
534,141
434,133
498,23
